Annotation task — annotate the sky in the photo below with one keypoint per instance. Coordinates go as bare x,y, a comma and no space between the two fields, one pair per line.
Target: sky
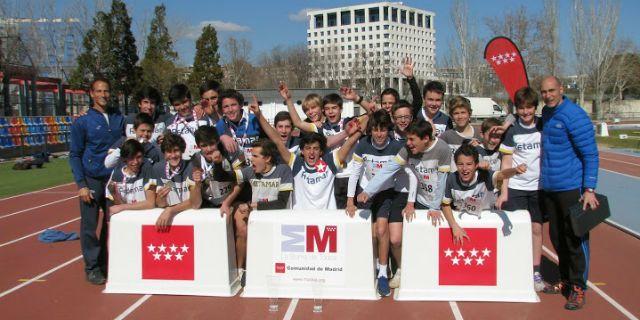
267,24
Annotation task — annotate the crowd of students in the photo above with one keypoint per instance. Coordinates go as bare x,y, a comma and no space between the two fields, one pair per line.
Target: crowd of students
396,158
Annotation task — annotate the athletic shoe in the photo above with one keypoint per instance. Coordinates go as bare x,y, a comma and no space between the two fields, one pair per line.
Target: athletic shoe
576,299
395,281
383,286
538,283
96,277
560,287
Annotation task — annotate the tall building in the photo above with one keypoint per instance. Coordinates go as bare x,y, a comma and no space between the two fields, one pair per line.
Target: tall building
364,45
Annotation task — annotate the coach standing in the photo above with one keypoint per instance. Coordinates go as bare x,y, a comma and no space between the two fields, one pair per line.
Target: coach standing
569,174
91,137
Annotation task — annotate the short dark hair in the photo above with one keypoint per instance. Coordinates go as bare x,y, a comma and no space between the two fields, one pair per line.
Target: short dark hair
149,92
332,98
433,86
282,116
490,123
525,97
178,93
207,135
172,140
313,137
421,128
230,94
268,149
209,85
130,148
143,118
390,91
467,149
379,119
401,104
99,79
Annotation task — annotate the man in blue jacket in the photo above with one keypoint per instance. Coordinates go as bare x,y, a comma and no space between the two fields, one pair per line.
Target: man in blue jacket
569,174
91,137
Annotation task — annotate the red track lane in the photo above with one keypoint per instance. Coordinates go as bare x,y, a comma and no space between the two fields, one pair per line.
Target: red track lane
35,199
22,224
385,308
65,295
620,163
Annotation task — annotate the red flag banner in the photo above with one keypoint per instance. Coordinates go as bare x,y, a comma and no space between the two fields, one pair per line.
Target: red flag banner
473,263
167,255
505,59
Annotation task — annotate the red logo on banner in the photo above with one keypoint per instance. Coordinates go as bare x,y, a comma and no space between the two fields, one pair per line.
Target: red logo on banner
167,255
280,267
505,59
472,264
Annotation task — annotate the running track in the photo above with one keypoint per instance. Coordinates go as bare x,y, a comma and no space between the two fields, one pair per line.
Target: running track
47,280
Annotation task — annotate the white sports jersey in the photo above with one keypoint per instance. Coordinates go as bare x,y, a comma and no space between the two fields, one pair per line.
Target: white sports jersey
216,191
266,187
471,198
523,143
493,157
186,129
180,180
454,139
427,167
368,160
130,188
314,185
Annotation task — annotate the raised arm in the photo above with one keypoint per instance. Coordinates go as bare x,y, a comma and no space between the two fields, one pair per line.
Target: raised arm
295,117
353,129
270,131
416,94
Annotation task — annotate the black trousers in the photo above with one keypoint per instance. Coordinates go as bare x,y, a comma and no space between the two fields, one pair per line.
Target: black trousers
340,186
573,251
94,247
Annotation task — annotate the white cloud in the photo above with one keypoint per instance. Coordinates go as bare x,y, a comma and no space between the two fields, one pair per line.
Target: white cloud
300,15
195,31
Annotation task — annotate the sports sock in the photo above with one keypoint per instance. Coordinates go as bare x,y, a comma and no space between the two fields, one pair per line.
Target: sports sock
382,272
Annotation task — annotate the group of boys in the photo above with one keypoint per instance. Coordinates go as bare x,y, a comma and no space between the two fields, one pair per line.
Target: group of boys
396,158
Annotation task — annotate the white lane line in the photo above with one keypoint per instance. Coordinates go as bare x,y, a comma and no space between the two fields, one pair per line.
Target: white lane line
32,192
456,311
625,162
38,232
42,275
133,307
624,174
623,228
292,308
599,291
37,207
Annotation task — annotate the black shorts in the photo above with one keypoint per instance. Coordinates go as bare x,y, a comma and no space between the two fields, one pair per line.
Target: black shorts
381,206
526,200
400,201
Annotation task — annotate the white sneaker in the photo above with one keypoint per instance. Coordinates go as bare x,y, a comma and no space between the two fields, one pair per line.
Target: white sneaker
395,281
538,283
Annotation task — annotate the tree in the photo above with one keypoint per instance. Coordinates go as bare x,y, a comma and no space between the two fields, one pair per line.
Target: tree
467,46
593,34
158,65
97,58
126,74
238,69
625,67
547,44
206,64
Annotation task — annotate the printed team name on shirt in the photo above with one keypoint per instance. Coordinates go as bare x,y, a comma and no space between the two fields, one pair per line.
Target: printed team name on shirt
266,187
314,185
524,144
179,180
158,129
186,129
130,188
493,157
215,191
454,139
474,197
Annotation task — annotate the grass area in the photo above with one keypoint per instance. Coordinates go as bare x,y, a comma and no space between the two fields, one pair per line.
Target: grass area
20,181
614,141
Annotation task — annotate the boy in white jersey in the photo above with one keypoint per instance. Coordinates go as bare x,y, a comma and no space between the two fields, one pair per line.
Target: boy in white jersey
314,171
470,190
460,111
215,193
370,155
174,178
130,187
522,145
143,126
185,122
149,102
433,94
490,156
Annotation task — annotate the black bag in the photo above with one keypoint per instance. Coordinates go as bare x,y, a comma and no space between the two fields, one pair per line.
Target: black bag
583,221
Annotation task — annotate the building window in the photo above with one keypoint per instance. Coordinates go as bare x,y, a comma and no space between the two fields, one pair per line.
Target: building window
349,48
370,28
308,42
359,16
386,44
362,29
332,19
370,37
309,35
427,22
419,19
342,31
321,33
335,31
362,38
341,47
374,14
386,27
412,18
321,41
403,16
345,18
378,45
315,41
385,11
328,40
377,27
349,39
371,46
377,36
386,36
356,47
394,14
319,21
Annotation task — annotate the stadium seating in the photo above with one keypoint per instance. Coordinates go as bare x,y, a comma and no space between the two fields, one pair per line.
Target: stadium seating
34,131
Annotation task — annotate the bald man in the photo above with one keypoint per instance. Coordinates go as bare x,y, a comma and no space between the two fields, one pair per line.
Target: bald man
569,174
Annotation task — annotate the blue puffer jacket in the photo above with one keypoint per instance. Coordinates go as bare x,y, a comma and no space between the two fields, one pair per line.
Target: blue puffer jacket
569,149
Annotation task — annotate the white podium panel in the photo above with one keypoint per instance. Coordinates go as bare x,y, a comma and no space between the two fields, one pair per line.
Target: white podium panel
195,257
496,264
310,254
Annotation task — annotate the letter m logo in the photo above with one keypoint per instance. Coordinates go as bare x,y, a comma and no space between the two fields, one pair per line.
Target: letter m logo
328,238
